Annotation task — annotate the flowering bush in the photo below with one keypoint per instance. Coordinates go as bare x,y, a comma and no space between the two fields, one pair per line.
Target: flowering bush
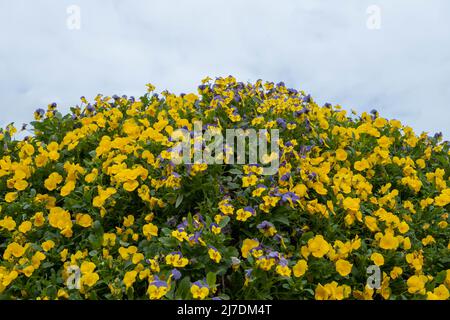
92,207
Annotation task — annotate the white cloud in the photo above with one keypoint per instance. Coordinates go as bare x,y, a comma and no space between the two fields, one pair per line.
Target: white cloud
322,47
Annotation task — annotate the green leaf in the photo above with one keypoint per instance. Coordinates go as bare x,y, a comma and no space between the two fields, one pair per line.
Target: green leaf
168,242
211,279
282,219
98,229
179,200
183,289
233,185
441,276
189,219
95,241
230,252
47,265
308,235
224,221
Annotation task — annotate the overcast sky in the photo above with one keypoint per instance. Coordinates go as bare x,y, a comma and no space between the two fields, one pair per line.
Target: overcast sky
322,47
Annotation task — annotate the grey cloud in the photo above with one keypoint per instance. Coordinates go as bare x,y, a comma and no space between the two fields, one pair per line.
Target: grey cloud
322,47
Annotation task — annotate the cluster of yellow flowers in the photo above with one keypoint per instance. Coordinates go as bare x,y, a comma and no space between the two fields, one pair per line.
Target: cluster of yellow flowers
95,196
